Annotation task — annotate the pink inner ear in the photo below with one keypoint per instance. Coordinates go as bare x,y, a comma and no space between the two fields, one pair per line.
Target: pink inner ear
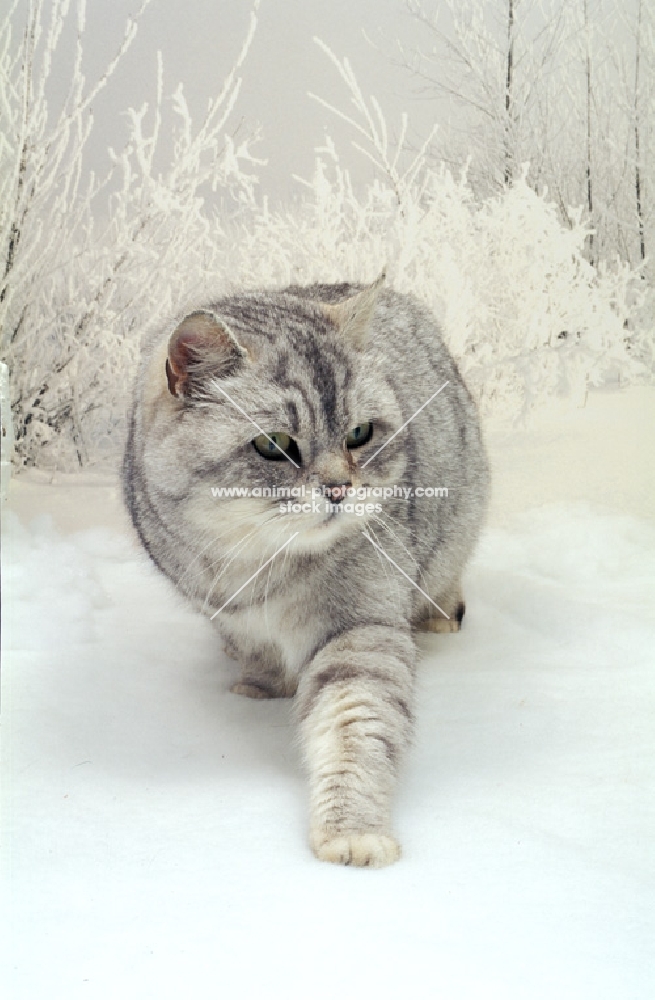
199,338
189,341
184,345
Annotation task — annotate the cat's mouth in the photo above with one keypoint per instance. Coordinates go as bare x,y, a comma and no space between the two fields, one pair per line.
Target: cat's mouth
320,534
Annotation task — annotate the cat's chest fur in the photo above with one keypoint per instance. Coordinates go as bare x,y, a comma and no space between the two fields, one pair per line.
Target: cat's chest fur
272,627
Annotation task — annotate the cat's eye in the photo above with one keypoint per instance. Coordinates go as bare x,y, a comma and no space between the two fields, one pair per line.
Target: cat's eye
277,446
359,435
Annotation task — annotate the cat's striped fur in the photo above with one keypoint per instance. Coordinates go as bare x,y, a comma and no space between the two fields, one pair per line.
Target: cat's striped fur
330,619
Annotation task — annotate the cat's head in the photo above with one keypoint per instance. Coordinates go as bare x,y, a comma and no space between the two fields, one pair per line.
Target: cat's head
275,393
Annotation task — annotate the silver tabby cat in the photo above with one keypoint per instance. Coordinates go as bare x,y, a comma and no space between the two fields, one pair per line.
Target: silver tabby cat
333,388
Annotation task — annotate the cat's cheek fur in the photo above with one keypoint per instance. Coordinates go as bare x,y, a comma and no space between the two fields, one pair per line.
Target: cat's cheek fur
231,520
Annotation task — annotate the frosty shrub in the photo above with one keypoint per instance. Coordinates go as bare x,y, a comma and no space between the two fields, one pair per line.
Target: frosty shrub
523,312
88,263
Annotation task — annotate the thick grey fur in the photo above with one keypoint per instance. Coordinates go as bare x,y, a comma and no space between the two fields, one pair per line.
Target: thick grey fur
330,620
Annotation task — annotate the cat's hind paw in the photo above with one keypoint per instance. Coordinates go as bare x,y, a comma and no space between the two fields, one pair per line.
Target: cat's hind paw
251,690
436,623
365,850
440,625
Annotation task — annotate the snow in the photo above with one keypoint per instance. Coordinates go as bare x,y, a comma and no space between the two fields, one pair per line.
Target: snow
155,824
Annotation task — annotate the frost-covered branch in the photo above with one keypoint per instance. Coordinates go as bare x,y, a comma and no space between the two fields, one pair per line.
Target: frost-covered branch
75,295
88,263
524,312
372,127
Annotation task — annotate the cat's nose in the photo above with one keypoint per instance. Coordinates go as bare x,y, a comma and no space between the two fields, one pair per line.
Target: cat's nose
336,491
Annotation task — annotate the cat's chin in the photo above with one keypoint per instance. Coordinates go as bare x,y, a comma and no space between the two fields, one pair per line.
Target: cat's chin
321,535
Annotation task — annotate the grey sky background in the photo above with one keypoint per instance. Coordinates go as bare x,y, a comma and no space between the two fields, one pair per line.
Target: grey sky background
199,40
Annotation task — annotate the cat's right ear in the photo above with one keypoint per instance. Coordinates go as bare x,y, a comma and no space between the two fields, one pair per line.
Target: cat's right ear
202,347
353,316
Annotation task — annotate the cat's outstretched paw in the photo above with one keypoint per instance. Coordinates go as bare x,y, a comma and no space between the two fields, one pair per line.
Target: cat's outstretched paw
372,850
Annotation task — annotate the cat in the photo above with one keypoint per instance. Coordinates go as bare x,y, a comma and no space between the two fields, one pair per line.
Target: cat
344,390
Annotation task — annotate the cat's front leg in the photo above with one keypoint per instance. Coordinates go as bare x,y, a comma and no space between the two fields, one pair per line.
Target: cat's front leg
355,706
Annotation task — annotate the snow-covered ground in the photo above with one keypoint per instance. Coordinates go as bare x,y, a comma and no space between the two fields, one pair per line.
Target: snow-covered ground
154,825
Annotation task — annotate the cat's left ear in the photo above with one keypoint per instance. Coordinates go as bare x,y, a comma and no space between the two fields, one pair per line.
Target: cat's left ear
353,316
200,348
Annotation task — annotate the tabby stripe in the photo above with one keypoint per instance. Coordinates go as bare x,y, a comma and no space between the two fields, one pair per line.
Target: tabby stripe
339,673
